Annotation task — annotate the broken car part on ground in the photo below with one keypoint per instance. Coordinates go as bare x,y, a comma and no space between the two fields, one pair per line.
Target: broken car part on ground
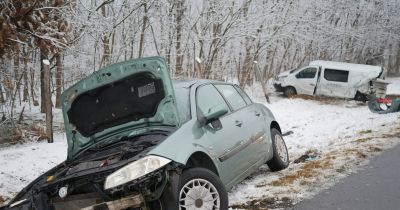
384,105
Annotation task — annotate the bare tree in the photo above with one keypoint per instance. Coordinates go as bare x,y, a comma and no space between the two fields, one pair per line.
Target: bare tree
47,98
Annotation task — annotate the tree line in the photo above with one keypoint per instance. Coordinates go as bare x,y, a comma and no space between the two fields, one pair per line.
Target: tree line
244,41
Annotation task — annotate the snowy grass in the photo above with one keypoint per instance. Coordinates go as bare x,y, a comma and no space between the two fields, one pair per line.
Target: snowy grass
344,134
394,87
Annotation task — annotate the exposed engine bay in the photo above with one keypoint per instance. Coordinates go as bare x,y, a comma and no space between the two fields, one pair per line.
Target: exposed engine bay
79,183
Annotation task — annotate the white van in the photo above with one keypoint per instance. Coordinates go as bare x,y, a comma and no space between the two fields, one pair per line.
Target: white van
334,79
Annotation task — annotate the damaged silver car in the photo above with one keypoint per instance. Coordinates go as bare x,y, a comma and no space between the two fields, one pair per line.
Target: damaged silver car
136,140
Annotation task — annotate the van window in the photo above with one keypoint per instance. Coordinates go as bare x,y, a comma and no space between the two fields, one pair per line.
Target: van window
336,75
307,73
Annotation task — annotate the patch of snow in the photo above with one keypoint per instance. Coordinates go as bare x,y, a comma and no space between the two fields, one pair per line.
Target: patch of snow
394,87
198,60
21,164
344,129
46,62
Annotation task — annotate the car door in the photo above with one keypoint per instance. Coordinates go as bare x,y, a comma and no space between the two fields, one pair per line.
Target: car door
252,147
260,139
306,80
334,83
224,144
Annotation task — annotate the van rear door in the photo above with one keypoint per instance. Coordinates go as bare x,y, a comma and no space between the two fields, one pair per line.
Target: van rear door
306,80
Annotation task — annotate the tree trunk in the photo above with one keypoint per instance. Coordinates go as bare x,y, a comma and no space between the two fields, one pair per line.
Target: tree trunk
397,65
142,34
2,100
106,60
26,83
179,26
47,98
32,88
17,82
42,81
58,80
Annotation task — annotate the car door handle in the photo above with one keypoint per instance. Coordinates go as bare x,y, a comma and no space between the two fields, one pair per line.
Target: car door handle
312,85
238,123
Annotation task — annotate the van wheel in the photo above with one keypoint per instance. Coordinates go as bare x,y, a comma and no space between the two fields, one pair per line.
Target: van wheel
280,159
361,97
199,188
289,91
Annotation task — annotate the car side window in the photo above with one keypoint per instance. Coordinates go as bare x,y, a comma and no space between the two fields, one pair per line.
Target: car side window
243,94
232,96
308,73
336,75
208,97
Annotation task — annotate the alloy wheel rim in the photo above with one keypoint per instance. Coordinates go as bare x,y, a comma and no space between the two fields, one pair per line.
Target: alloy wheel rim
199,194
281,148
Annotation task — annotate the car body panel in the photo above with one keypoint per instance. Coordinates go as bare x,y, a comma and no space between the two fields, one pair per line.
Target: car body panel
252,140
166,109
306,85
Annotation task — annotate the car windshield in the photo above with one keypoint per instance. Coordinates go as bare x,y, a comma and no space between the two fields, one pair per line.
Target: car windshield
183,103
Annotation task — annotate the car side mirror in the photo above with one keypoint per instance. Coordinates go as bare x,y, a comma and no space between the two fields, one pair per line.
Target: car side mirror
214,113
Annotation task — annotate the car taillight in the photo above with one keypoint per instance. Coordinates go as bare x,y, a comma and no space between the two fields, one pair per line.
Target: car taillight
384,100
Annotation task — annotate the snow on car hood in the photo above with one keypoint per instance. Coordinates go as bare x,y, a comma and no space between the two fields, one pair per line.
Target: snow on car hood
116,100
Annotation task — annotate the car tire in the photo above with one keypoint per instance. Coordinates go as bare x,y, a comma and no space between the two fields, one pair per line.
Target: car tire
361,97
280,159
192,182
289,91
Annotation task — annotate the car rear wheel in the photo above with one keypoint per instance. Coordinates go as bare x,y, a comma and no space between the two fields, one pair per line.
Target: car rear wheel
361,97
280,159
289,91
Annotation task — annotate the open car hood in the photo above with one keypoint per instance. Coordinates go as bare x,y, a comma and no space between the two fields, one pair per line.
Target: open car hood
117,101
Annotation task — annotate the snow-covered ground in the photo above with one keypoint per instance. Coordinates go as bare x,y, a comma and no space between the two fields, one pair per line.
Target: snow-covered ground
394,87
338,135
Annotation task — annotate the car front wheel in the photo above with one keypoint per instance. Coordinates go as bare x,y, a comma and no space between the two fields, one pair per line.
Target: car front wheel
200,188
289,91
280,159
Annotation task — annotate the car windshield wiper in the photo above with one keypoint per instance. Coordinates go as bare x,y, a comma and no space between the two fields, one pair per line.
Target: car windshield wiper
102,145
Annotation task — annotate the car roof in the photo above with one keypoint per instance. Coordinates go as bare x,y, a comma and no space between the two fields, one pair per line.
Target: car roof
346,66
188,82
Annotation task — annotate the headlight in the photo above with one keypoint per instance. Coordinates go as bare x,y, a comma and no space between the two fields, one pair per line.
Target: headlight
135,170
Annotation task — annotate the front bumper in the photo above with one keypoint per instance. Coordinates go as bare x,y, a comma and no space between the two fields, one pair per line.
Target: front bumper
114,199
135,201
